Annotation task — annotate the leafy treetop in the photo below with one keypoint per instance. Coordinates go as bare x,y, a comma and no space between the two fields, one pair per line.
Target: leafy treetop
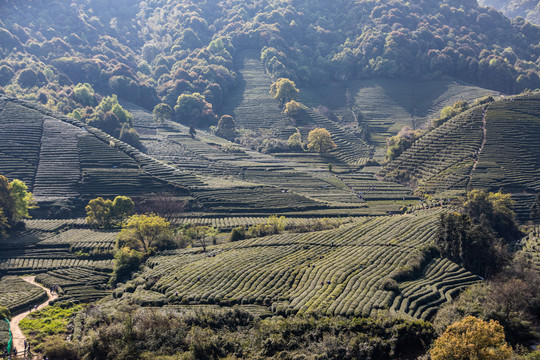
284,90
472,338
320,140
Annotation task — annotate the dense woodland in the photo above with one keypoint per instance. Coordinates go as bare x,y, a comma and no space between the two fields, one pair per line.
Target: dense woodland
155,51
291,179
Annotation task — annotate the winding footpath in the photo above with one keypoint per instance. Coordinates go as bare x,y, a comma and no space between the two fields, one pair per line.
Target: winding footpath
18,337
482,144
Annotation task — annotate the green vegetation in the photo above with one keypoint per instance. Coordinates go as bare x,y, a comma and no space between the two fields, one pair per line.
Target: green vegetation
279,230
17,295
239,333
15,201
526,9
472,338
401,142
103,213
320,140
143,232
284,90
46,327
477,239
162,112
226,127
194,110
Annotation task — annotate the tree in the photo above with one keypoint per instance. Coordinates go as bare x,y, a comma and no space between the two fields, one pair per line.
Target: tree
293,108
472,245
493,210
295,141
7,203
142,232
23,200
284,90
99,212
320,140
122,207
226,127
84,94
396,145
194,110
164,204
201,235
472,338
15,201
103,213
130,136
4,224
162,112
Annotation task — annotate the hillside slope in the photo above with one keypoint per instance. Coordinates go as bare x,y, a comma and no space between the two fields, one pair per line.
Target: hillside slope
336,272
492,147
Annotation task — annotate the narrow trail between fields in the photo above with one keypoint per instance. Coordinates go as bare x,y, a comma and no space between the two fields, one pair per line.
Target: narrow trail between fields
18,337
479,151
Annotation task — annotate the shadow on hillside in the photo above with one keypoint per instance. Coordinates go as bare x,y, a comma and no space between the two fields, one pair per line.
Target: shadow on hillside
236,96
414,97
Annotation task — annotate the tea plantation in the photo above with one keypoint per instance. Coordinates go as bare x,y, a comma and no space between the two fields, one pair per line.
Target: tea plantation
335,272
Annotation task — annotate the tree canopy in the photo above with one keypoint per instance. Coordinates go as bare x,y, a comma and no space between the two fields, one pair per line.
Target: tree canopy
226,127
162,112
472,338
104,213
193,109
15,201
142,232
284,90
320,140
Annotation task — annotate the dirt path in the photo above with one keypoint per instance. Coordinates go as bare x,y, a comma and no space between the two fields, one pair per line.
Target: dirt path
482,144
18,337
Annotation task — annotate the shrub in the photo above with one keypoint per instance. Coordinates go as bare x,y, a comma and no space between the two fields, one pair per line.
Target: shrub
238,233
126,261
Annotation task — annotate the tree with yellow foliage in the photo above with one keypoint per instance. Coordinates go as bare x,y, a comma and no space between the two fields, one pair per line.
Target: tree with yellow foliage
142,232
320,140
472,339
284,90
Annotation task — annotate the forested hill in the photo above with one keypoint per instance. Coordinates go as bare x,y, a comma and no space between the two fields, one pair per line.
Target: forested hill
147,51
527,9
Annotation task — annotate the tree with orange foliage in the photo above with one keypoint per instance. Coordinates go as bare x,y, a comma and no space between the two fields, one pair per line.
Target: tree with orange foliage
472,338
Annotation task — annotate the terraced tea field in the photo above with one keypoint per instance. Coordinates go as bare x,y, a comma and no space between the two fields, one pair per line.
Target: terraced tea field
335,272
386,106
443,158
17,295
61,252
88,162
510,158
460,155
250,103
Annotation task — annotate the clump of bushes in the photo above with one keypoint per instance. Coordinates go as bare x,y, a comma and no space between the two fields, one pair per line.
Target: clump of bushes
396,145
449,112
112,333
415,264
276,225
